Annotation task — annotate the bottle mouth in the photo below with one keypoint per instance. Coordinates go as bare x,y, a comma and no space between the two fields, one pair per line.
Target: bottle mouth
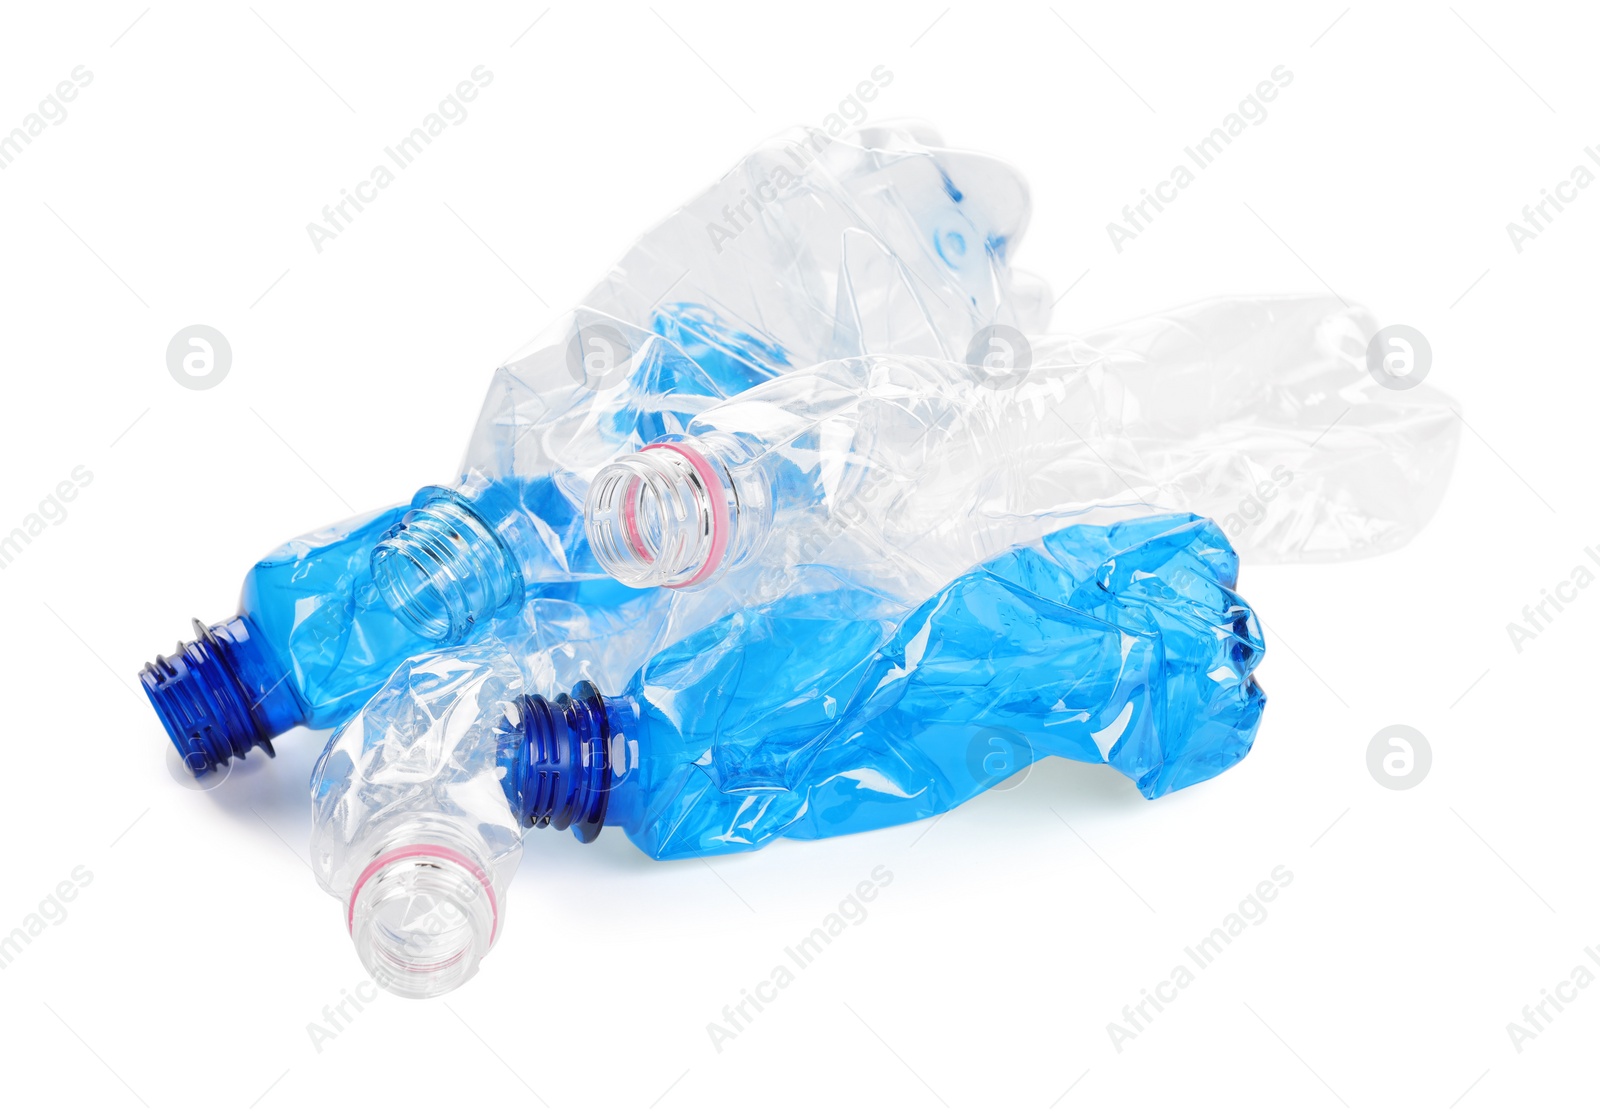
561,774
441,570
215,699
659,517
422,918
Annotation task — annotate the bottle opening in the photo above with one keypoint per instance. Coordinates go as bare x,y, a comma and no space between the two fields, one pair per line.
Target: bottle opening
442,571
422,918
561,775
660,517
219,696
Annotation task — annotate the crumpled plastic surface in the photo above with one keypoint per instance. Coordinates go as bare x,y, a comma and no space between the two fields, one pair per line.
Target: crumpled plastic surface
870,682
1263,414
1259,413
835,709
420,765
845,260
826,713
880,241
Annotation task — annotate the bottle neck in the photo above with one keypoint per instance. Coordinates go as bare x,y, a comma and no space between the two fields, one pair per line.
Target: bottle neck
678,513
442,569
222,694
425,910
569,753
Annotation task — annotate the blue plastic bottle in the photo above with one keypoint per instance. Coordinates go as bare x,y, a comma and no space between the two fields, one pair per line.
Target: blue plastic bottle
818,714
308,645
313,639
1123,645
316,632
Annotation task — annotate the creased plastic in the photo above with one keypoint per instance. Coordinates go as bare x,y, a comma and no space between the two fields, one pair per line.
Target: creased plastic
831,710
811,250
878,239
1259,413
1265,414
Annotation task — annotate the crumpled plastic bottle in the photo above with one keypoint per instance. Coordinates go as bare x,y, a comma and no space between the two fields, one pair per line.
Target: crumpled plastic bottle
896,245
823,713
1264,414
839,244
1256,412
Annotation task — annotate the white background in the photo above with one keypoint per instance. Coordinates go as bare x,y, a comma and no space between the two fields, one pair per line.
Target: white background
177,191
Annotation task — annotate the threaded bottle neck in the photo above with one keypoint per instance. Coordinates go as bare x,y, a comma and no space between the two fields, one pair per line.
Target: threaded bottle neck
667,515
561,773
423,914
221,694
442,570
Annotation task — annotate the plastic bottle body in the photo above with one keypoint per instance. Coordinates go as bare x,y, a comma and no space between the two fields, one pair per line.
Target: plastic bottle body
812,248
920,467
310,644
1123,645
903,470
1266,415
412,827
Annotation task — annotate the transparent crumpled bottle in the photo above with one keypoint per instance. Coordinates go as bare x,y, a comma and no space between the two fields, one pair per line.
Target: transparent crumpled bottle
1257,412
818,248
826,712
858,241
1265,414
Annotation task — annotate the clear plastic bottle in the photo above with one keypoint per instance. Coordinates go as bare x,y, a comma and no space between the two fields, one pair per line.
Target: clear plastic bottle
1257,412
1264,414
815,249
827,712
851,246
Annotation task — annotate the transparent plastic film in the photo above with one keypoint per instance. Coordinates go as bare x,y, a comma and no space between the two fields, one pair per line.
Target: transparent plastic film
412,831
812,248
1268,415
1259,413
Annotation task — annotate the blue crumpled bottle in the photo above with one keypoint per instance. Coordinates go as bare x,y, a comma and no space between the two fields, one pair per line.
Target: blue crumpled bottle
843,259
825,712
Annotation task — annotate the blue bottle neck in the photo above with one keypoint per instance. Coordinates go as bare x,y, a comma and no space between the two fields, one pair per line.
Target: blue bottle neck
222,694
567,759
